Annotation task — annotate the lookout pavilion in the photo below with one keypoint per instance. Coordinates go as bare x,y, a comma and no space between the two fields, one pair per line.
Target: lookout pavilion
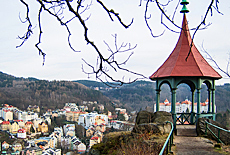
186,65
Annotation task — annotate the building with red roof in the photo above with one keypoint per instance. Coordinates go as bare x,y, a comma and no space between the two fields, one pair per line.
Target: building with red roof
21,133
94,140
5,122
183,107
28,125
5,145
5,125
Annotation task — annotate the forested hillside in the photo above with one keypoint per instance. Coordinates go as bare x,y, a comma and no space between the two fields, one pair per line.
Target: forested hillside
223,97
92,84
22,92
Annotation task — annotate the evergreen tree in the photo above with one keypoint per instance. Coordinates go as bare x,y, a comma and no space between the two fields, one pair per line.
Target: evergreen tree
32,129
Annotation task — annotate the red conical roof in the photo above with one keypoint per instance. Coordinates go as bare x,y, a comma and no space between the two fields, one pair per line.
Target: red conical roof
177,65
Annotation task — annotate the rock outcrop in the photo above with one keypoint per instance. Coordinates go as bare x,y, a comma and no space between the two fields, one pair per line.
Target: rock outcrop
201,129
142,140
147,122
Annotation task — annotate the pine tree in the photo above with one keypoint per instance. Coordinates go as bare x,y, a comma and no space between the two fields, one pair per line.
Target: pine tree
32,129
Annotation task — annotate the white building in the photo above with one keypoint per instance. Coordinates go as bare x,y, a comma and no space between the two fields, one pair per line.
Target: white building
58,133
120,109
89,102
46,119
183,106
66,141
121,125
89,119
69,129
81,148
7,114
51,151
70,105
27,116
37,121
126,116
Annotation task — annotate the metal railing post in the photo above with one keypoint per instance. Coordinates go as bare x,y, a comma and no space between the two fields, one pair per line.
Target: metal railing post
170,143
218,135
167,149
206,129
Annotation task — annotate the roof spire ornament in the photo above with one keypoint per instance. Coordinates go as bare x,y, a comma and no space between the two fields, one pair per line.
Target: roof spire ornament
184,8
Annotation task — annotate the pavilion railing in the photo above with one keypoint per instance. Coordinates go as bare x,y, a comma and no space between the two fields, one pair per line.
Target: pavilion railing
218,133
207,115
185,118
190,118
169,141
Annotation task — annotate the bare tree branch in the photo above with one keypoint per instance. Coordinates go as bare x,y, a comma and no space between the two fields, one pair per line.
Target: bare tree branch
210,58
29,31
57,9
113,64
40,35
67,11
202,23
111,11
146,21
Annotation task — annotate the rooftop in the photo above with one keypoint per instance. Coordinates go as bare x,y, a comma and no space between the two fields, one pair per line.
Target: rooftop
182,63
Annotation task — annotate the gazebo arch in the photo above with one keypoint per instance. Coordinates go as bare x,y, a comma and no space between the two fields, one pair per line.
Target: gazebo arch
190,68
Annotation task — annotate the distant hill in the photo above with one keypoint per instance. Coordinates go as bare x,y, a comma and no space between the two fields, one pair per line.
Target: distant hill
22,92
92,84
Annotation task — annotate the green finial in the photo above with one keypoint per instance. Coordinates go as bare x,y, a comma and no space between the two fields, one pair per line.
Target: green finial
184,8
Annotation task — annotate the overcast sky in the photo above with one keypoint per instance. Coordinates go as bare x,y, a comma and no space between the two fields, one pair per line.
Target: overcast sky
64,64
